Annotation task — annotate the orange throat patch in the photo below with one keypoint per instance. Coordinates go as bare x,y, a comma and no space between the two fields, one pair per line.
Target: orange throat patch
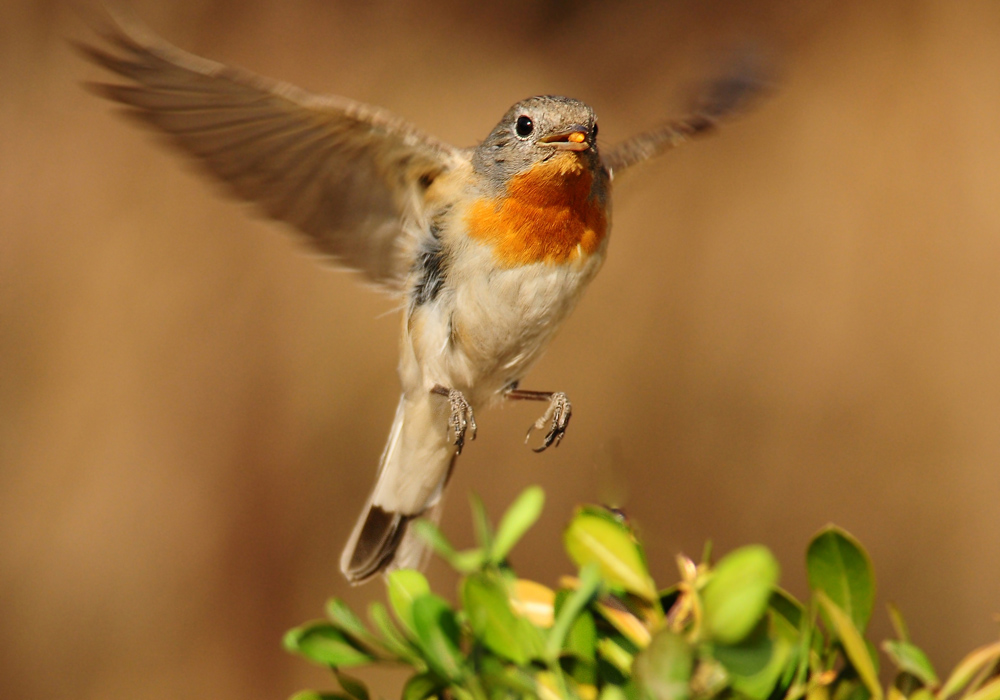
549,214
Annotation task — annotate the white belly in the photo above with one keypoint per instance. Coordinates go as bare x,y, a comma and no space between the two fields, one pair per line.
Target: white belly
484,331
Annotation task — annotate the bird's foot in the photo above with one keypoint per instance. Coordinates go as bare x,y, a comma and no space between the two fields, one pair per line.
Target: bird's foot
555,418
461,421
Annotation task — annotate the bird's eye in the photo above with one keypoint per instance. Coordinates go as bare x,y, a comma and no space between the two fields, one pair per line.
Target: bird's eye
593,131
524,126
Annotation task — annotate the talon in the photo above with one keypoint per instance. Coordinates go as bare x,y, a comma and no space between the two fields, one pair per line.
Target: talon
462,420
556,417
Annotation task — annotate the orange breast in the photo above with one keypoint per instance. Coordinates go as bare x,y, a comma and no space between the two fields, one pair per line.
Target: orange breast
548,214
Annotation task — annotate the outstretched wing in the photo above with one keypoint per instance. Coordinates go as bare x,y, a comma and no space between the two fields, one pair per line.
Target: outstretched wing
346,174
722,97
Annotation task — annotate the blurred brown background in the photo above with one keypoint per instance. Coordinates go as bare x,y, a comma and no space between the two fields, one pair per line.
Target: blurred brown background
797,324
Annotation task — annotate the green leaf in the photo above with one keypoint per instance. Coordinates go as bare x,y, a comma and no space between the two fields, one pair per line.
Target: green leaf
853,643
756,663
352,686
839,566
663,669
797,639
531,637
582,672
487,608
589,583
468,560
736,596
747,658
911,659
608,543
421,686
314,695
437,629
787,606
898,623
990,691
579,653
797,670
430,533
345,619
849,688
465,562
613,650
612,692
481,521
405,586
497,675
581,641
392,639
323,643
516,521
968,668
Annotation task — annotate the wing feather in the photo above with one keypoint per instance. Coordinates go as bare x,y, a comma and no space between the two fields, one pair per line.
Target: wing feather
724,97
343,173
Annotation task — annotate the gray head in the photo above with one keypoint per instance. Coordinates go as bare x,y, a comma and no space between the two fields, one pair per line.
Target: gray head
534,130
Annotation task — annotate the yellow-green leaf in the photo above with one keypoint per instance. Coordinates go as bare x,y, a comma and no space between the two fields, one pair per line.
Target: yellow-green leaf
405,586
609,544
439,634
323,643
736,596
315,695
853,643
522,514
990,691
968,667
912,660
421,686
488,610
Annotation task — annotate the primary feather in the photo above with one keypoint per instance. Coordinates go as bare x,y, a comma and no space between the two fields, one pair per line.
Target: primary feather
341,172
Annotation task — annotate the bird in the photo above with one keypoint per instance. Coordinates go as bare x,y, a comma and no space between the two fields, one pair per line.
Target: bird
489,247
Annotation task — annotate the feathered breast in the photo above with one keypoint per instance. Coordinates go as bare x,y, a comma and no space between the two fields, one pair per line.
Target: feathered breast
551,213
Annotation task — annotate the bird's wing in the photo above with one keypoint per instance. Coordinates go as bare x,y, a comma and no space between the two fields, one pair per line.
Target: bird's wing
725,96
346,174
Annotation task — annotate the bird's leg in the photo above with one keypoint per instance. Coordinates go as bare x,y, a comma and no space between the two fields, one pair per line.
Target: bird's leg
555,418
461,419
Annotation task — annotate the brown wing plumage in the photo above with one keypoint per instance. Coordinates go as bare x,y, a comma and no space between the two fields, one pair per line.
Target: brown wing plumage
346,174
722,97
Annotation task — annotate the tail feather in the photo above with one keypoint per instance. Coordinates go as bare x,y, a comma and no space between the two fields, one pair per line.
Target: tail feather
376,544
415,467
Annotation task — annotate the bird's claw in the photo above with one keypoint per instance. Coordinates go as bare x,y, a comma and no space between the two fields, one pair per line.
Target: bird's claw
462,420
556,418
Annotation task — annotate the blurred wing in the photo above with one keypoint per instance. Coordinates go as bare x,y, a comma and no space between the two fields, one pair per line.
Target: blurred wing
346,174
724,97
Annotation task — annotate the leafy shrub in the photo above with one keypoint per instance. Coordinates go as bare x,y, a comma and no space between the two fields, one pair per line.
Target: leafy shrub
724,631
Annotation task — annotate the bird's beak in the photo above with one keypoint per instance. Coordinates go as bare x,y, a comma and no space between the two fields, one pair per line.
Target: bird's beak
574,139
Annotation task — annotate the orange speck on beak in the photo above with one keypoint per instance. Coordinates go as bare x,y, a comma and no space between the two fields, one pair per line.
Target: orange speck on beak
576,137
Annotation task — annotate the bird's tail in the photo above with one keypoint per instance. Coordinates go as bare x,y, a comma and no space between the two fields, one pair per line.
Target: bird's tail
415,466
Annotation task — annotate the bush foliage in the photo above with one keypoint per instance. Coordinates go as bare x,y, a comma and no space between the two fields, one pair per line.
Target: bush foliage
725,630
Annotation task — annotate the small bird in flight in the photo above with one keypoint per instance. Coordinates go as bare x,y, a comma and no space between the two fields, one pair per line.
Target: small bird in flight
490,247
